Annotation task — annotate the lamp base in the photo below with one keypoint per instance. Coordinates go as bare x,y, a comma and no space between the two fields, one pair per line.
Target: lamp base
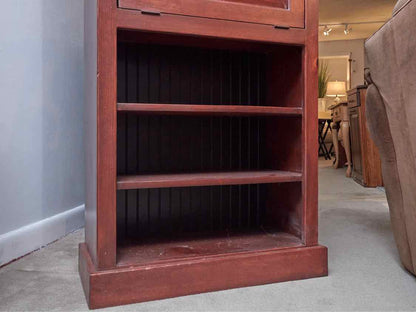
337,100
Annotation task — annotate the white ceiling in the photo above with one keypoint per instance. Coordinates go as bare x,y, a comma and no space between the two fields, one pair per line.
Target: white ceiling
352,11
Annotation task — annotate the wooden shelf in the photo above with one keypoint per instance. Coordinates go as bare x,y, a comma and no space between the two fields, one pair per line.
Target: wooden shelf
128,182
194,109
197,246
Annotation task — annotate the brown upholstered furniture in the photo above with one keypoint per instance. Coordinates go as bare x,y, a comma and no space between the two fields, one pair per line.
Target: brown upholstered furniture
391,115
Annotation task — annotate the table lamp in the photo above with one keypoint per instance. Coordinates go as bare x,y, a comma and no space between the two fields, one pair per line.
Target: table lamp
336,89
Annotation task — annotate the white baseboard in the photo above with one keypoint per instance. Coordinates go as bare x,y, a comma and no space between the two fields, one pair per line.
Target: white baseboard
26,239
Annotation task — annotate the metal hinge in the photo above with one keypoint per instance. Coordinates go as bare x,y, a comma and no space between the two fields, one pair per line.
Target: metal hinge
149,12
281,27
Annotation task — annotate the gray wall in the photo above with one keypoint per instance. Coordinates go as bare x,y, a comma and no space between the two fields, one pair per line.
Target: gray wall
343,47
41,111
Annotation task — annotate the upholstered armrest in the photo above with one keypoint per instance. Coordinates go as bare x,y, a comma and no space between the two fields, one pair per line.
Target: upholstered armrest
391,117
379,128
400,5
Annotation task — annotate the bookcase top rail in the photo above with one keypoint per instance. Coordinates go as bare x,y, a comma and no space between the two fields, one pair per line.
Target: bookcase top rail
214,28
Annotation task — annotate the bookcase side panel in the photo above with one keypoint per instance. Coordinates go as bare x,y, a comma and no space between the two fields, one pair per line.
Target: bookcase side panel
106,134
90,125
310,126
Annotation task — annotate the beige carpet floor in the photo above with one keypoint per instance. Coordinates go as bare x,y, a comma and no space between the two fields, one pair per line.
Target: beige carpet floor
364,270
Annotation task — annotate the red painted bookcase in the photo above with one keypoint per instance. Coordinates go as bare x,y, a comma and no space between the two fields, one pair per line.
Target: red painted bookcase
201,150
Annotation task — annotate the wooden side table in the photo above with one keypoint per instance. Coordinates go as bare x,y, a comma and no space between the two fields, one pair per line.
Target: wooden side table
341,129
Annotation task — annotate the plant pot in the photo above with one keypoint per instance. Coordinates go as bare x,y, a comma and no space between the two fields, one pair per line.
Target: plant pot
322,105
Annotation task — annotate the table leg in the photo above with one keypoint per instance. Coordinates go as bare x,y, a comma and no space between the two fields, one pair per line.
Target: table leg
334,128
345,128
321,152
332,144
322,132
327,126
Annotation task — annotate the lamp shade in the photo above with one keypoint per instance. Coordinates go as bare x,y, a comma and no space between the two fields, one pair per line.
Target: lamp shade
336,88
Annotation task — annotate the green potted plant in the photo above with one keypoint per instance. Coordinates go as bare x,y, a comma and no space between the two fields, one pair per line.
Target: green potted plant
323,78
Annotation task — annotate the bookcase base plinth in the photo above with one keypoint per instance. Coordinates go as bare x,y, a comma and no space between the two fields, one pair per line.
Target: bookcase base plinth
133,284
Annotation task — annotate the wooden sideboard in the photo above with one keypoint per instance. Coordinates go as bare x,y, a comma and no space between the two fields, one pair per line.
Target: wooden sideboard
201,150
365,158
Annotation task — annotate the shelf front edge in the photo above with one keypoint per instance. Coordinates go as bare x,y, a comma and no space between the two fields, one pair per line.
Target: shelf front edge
209,110
128,182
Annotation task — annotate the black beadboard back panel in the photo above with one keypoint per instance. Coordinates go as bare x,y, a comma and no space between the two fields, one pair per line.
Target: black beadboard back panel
172,144
156,212
189,75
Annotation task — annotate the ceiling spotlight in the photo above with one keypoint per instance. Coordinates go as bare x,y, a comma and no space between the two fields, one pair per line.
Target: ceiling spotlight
347,29
327,31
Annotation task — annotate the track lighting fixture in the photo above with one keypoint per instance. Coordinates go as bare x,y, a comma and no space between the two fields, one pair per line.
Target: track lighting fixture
327,30
347,29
